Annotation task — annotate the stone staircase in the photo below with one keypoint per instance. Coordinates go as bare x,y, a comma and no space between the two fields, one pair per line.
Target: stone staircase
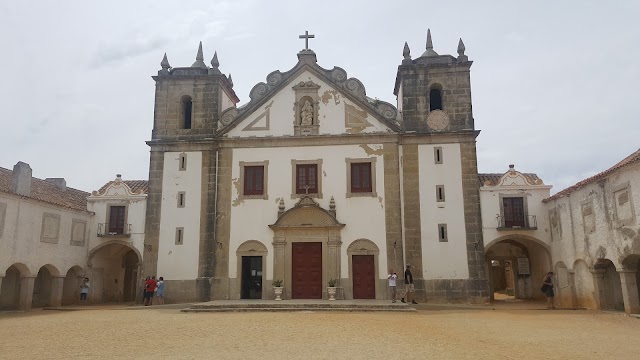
297,305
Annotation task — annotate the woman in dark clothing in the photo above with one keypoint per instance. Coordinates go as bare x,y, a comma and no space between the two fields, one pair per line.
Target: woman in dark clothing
547,289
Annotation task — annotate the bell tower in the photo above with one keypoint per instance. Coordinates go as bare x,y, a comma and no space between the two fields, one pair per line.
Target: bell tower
434,91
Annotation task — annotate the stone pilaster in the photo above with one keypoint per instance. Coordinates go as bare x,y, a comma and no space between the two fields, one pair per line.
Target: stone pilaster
57,285
26,292
152,223
412,227
221,250
207,225
392,210
1,277
598,283
333,252
629,284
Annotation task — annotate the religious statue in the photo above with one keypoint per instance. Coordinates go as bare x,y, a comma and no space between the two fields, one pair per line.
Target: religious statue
306,113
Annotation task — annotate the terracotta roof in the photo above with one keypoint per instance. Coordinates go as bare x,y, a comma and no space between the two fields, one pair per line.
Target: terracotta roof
631,159
494,178
47,192
137,186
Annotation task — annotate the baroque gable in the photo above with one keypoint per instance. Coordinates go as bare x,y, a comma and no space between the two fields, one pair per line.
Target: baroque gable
310,100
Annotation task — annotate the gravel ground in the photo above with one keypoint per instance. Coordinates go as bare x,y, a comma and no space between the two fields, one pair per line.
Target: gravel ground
447,334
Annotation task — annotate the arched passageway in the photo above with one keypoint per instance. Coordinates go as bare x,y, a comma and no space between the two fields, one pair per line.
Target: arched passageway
609,287
517,265
113,272
71,288
11,286
46,287
630,281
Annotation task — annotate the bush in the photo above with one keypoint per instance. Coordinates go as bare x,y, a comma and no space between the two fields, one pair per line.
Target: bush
277,283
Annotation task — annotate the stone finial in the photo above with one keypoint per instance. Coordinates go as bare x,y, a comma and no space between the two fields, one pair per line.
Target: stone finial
512,168
429,51
230,80
406,54
214,62
332,207
165,63
199,58
461,49
280,207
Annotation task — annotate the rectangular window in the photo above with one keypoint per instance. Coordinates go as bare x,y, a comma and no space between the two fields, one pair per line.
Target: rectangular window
361,177
437,155
253,180
307,179
442,233
179,235
182,162
513,211
440,193
181,199
116,220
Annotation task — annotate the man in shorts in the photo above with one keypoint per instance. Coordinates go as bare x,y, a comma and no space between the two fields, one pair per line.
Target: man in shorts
409,289
149,289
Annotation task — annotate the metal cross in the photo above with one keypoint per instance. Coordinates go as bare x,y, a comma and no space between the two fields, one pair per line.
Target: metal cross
306,38
306,189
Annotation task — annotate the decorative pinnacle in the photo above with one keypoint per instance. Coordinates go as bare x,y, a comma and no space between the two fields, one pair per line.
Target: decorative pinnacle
230,80
406,53
461,48
199,58
429,51
214,62
165,63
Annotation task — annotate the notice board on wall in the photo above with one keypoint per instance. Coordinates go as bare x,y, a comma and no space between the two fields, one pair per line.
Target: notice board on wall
523,266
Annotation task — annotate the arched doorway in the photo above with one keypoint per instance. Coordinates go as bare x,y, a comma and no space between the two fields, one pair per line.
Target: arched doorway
609,287
563,288
517,265
252,265
630,279
113,272
11,286
363,270
583,284
45,287
71,287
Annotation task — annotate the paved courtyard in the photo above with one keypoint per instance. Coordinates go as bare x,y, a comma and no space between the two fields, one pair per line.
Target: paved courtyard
449,333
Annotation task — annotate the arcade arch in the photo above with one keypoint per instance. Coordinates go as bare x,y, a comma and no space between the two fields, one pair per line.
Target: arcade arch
113,269
12,281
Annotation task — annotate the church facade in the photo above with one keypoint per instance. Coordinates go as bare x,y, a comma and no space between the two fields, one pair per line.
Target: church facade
313,181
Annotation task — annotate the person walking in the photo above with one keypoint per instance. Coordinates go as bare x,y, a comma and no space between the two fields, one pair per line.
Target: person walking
84,290
392,278
160,290
149,289
409,289
547,289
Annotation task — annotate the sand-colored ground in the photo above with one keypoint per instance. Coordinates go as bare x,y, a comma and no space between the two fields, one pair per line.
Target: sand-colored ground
449,334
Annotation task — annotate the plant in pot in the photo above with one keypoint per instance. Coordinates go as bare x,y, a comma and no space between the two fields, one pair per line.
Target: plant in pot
331,290
277,289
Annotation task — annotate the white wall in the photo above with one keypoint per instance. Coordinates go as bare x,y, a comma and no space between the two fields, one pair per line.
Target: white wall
331,112
364,216
20,240
442,260
180,262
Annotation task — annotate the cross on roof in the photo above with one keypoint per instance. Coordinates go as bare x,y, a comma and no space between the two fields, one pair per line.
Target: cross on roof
306,38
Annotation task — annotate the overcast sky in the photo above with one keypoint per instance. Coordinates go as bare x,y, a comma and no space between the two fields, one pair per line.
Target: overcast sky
554,83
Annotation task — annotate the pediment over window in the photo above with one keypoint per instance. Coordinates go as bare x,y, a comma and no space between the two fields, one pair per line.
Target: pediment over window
307,213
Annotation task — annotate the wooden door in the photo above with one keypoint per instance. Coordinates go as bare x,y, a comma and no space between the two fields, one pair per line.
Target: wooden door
306,270
364,278
251,286
513,209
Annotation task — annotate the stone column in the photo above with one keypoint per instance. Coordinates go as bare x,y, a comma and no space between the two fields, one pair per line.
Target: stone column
572,287
1,277
26,292
333,253
598,283
629,284
279,261
57,286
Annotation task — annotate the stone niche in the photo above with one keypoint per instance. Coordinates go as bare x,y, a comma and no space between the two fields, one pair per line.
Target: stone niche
306,121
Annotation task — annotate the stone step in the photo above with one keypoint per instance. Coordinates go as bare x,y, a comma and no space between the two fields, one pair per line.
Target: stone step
299,305
297,308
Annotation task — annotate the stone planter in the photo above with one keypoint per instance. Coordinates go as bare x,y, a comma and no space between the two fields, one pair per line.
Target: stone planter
331,291
278,292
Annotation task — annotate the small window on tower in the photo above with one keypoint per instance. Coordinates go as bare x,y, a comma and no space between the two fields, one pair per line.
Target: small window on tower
182,162
437,155
440,193
181,199
442,233
187,106
179,235
435,98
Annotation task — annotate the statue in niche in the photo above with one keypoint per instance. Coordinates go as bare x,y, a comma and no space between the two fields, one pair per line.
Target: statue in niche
306,114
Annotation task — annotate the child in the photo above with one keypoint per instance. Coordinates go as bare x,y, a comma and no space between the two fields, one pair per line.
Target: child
84,290
160,290
392,277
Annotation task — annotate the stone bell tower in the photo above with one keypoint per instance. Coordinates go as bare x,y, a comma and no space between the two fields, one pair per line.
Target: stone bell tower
434,91
189,100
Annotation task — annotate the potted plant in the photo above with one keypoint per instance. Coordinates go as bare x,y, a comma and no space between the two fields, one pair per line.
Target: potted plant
331,290
277,289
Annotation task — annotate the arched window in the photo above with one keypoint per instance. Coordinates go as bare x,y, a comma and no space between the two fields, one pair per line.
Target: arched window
186,111
435,98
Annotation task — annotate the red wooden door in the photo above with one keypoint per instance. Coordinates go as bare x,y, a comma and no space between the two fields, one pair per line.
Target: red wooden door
364,278
306,270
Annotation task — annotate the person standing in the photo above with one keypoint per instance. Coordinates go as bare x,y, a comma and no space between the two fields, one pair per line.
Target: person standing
392,278
160,290
409,289
547,289
149,289
84,290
